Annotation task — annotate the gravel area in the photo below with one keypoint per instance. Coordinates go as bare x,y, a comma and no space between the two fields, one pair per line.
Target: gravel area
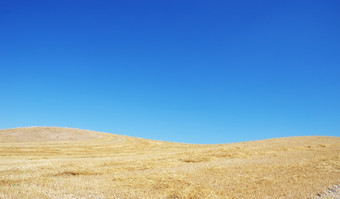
330,193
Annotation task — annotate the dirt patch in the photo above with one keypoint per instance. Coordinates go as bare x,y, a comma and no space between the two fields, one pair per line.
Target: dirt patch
43,134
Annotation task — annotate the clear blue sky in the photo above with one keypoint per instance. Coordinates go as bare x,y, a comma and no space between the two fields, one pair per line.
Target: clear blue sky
185,71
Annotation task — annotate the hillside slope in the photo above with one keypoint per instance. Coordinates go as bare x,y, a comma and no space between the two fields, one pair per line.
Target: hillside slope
50,162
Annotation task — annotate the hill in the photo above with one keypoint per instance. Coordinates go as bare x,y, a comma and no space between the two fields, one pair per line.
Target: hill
50,162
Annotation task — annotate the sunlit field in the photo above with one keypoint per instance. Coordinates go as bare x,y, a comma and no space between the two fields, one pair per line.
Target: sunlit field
46,162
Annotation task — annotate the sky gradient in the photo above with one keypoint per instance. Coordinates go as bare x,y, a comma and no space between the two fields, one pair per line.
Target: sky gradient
183,71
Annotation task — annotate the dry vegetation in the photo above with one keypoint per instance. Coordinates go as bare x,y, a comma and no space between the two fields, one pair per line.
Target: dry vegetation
41,162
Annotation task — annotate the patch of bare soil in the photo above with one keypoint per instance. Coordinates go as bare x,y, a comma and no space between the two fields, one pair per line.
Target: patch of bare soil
330,193
45,134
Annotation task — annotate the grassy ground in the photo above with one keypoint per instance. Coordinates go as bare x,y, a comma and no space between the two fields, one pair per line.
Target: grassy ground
42,162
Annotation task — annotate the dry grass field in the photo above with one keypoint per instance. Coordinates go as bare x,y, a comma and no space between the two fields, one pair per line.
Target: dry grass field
48,162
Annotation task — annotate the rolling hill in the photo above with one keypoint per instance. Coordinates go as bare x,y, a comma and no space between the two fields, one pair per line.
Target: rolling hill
51,162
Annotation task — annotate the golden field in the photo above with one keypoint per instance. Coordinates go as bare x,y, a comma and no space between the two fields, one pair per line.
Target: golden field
50,162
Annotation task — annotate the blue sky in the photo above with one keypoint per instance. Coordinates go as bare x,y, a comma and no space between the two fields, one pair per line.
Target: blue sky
183,71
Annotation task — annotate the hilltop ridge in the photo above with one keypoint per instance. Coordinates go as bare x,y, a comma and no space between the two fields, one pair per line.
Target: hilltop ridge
52,162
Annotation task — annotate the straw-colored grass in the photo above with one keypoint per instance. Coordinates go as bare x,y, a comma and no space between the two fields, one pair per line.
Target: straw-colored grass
46,162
